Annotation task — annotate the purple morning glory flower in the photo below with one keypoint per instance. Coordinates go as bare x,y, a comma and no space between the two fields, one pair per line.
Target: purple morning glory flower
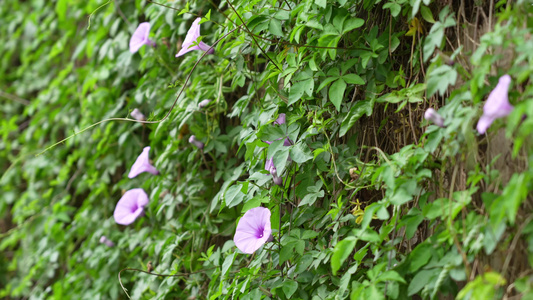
106,241
130,206
142,164
140,37
497,104
253,230
196,142
191,37
433,116
138,115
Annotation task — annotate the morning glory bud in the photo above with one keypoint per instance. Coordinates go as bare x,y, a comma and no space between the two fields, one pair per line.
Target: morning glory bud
196,142
106,241
138,115
433,116
204,103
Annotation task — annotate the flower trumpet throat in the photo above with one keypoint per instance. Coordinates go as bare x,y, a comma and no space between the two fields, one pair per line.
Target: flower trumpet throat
254,230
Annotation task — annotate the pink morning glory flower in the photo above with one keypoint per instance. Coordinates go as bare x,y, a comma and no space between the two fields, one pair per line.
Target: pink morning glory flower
130,206
433,116
196,142
497,104
192,37
106,241
140,37
253,230
142,164
138,115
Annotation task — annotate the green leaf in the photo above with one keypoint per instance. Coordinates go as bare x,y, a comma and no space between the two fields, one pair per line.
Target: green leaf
395,8
415,4
341,252
439,80
309,234
227,264
325,82
314,24
426,14
353,79
352,24
233,195
207,18
336,93
356,112
321,3
289,287
298,89
420,280
184,10
275,27
300,153
286,252
392,276
61,9
310,198
514,194
419,257
400,197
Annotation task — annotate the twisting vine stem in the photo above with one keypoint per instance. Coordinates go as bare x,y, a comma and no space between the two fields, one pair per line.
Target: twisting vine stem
145,122
155,274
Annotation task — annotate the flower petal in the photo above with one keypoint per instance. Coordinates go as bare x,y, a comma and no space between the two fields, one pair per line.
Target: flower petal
269,164
253,230
484,123
139,37
280,120
191,38
142,164
130,206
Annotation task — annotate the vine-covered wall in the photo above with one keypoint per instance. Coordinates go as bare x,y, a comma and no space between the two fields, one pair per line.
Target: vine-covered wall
317,149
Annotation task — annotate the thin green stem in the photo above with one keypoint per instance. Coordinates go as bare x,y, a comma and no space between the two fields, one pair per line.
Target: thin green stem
144,122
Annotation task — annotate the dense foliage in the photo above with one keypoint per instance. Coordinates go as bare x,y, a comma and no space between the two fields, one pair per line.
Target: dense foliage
375,201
